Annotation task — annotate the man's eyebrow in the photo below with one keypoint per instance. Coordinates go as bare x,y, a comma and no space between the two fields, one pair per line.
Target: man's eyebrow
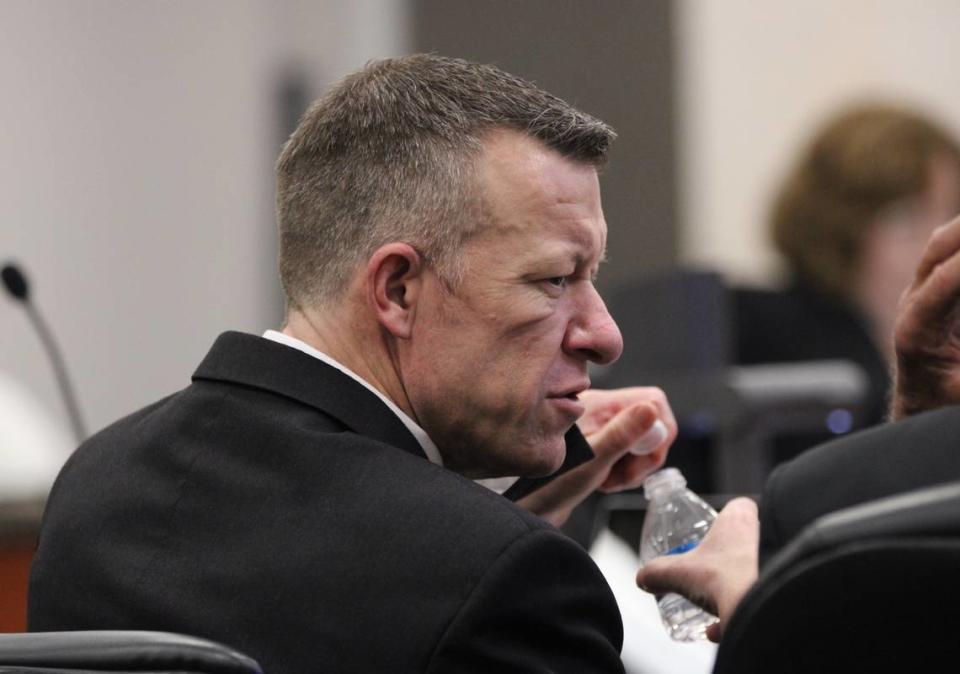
581,260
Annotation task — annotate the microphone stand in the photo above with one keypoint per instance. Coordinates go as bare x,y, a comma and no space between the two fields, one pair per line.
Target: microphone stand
16,285
59,369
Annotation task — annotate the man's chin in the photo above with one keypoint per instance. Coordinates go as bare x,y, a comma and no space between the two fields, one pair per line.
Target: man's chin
537,457
543,462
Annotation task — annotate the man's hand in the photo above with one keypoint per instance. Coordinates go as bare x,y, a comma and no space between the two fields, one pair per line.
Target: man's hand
630,431
718,572
927,332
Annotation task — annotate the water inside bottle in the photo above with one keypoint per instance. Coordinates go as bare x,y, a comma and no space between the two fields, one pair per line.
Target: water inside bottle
684,620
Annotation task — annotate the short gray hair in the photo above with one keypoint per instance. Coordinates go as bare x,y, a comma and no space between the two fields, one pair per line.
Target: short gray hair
390,154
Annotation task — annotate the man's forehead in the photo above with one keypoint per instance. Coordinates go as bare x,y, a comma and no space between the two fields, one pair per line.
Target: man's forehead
545,242
515,160
530,190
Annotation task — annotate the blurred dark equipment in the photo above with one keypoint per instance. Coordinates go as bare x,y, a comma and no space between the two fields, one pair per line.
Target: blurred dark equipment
678,331
868,589
799,324
93,652
16,284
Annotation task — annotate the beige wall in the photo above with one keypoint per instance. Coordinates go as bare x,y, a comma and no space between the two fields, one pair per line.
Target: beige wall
136,146
753,79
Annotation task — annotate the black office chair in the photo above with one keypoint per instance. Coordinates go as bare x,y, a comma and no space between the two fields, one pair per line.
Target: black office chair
874,588
93,652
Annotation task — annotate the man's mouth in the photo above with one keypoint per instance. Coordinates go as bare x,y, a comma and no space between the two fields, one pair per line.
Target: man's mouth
569,400
571,392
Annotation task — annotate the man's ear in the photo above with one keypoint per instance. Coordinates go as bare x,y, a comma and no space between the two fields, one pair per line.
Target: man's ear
394,281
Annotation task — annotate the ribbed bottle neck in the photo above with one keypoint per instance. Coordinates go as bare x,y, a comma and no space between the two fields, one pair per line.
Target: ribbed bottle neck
663,482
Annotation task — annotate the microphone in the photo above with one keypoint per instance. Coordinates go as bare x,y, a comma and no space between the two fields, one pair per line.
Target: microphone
16,284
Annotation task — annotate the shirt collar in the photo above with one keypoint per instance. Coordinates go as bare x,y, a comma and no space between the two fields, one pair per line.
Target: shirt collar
429,448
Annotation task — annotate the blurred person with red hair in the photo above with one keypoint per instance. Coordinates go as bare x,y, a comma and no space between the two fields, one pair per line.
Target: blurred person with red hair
851,219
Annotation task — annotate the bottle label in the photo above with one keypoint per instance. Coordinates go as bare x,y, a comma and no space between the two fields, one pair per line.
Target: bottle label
683,547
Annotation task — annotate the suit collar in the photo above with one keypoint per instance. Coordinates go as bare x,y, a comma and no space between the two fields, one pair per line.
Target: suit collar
253,361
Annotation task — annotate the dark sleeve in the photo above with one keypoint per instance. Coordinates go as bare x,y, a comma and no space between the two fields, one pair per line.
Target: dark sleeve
830,476
874,463
578,452
542,606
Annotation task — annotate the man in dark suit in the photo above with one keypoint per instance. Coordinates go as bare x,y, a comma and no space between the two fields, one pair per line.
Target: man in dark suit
310,498
916,452
918,448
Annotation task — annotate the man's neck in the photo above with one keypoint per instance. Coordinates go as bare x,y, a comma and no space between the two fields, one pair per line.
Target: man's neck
361,349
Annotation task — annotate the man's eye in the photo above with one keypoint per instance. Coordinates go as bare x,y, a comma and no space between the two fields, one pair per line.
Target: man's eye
557,281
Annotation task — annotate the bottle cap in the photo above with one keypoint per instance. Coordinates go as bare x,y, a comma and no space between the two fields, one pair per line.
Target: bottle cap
666,477
653,438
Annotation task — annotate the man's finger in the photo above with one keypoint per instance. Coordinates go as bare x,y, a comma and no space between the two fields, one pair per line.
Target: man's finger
631,470
944,242
940,289
660,575
624,430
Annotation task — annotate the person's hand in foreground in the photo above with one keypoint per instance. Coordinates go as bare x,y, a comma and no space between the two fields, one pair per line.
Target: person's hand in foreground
718,572
630,431
927,331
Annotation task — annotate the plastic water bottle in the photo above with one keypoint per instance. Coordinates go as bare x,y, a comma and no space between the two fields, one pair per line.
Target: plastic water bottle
676,521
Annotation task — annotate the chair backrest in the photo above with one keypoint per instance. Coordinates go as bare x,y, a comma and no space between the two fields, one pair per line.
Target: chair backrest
91,652
874,588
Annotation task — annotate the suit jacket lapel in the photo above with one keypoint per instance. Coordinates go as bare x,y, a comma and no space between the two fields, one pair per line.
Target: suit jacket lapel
250,360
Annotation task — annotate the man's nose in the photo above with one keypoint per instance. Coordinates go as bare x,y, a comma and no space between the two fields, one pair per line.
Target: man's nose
592,333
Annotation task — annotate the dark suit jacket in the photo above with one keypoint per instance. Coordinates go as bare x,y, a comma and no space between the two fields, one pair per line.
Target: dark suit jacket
896,457
277,506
